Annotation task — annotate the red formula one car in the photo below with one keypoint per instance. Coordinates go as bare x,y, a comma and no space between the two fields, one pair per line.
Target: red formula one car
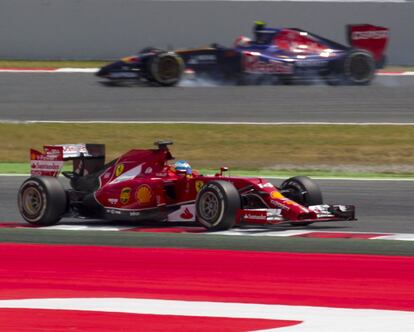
143,185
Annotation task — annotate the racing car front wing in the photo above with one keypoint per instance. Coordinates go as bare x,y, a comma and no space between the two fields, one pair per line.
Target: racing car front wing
323,213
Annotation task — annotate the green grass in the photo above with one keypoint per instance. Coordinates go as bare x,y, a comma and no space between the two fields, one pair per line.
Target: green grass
330,149
24,168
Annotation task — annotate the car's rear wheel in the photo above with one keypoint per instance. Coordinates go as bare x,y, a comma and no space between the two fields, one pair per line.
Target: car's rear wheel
217,205
165,68
42,201
359,67
304,191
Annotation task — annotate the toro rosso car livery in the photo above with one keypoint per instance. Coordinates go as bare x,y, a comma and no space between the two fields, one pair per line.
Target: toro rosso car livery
281,55
143,185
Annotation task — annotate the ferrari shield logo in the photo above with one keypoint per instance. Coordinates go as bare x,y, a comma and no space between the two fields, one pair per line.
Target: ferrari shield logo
119,169
199,185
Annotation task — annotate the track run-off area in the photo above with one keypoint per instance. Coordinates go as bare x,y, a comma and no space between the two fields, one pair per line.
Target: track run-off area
94,276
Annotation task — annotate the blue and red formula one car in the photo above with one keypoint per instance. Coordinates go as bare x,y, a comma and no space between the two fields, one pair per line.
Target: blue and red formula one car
277,55
143,185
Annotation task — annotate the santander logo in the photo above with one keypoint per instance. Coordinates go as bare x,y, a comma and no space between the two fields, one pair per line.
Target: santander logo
186,214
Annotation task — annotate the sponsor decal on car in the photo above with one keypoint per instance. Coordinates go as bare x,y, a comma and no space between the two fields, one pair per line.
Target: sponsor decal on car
134,214
252,216
143,194
202,58
311,63
265,185
280,205
276,195
113,201
186,214
112,211
119,169
198,185
125,195
379,34
254,64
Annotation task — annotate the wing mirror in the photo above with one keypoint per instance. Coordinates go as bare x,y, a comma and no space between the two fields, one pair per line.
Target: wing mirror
222,170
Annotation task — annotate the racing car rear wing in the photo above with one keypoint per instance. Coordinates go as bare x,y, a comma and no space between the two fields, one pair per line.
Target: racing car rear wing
371,38
87,158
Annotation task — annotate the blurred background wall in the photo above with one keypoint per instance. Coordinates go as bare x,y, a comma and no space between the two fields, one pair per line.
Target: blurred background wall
107,29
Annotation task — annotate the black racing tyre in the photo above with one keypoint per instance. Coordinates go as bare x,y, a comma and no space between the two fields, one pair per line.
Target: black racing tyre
302,190
217,204
359,67
165,68
42,200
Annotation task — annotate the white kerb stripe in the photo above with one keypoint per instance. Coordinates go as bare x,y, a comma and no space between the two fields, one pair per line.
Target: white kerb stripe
319,319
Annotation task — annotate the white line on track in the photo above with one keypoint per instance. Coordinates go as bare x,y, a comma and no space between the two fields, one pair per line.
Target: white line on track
313,318
207,122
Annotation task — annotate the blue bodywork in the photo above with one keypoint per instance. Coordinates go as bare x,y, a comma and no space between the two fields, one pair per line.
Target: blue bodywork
282,53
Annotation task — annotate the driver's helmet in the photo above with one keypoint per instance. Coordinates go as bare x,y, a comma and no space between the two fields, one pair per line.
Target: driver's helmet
242,41
182,166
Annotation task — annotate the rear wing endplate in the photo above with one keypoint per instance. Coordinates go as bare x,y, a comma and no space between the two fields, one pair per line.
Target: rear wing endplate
87,158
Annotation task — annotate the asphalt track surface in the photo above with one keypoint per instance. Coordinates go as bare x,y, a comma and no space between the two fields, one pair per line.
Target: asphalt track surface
382,206
79,96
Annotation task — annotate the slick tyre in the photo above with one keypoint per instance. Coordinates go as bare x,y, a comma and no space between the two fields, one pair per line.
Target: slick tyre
359,67
165,68
42,200
217,204
302,190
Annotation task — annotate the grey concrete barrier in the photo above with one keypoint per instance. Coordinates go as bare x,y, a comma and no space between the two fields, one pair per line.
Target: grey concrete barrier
107,29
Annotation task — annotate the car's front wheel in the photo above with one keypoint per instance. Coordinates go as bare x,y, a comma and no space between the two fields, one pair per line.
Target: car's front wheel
42,200
217,205
302,190
165,68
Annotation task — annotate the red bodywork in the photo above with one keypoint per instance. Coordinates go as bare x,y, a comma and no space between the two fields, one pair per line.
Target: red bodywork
142,184
369,37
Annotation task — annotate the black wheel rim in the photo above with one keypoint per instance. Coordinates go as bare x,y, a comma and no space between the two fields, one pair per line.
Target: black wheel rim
168,69
360,67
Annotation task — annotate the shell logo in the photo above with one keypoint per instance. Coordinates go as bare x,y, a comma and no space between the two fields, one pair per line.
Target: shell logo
143,194
125,195
119,169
